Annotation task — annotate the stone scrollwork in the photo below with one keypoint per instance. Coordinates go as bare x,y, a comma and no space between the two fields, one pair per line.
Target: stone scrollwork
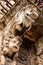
9,42
9,45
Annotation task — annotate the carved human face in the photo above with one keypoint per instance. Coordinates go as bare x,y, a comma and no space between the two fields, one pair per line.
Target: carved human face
15,43
12,44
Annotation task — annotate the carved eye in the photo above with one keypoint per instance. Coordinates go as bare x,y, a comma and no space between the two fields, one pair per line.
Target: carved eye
18,43
6,44
14,41
10,36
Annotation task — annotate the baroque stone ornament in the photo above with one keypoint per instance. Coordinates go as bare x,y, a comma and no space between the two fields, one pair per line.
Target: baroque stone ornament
21,32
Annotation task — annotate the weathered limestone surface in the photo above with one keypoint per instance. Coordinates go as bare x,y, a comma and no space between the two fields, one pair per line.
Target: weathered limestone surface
21,32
